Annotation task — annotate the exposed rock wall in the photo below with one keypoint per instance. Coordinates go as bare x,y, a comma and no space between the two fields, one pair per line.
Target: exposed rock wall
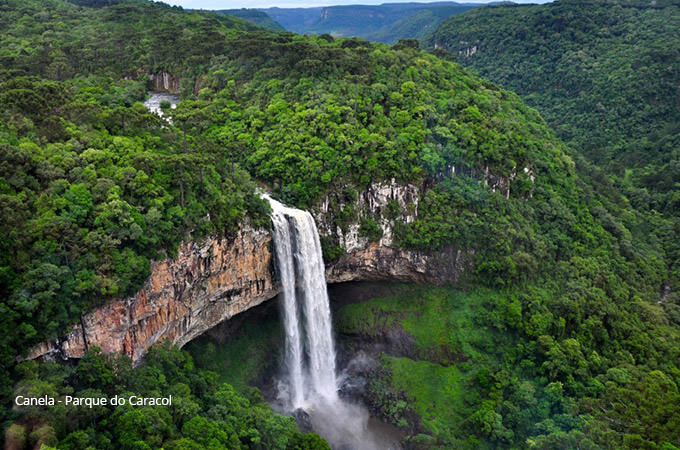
211,282
183,298
380,263
160,82
164,81
373,202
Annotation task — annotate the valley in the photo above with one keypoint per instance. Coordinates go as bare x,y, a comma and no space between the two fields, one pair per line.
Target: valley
467,241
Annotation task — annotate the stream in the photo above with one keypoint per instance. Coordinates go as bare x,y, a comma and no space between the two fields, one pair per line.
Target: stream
153,104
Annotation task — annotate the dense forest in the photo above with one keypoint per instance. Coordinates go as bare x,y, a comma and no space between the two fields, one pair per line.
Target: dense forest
604,76
562,336
205,414
415,25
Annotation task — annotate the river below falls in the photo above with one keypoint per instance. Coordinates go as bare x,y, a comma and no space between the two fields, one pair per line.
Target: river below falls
155,99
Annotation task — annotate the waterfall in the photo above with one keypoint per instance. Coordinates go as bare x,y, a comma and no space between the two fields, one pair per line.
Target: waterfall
293,348
311,382
309,348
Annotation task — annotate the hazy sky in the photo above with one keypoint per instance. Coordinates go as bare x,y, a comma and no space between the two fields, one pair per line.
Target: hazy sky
230,4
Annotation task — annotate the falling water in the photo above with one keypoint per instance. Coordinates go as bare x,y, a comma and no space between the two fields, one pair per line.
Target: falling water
309,350
284,254
300,264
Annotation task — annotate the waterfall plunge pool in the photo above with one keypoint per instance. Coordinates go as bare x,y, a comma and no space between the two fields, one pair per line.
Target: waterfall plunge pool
248,350
309,386
153,103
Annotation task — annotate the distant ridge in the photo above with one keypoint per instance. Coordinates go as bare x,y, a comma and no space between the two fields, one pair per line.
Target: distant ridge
255,17
387,23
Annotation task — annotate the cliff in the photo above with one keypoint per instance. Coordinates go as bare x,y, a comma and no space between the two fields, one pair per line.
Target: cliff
159,82
164,82
182,298
210,282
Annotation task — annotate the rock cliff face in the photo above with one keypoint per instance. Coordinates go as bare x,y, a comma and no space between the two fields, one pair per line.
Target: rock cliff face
165,82
374,202
183,298
379,263
211,282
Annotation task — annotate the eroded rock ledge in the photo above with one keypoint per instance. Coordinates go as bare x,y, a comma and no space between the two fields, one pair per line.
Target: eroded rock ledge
183,298
381,263
211,282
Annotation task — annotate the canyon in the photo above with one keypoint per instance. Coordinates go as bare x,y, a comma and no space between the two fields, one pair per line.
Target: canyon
211,281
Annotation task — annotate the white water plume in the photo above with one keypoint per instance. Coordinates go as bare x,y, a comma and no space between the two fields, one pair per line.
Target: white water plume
300,264
309,349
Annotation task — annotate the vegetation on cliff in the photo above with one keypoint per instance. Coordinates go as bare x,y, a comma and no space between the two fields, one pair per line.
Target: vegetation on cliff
603,75
93,187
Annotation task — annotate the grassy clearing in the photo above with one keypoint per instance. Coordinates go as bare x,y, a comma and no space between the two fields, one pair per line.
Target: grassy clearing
460,339
448,325
437,391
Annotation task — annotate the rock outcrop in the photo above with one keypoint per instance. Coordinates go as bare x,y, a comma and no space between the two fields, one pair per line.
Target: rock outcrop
164,82
372,203
159,82
379,263
183,298
211,282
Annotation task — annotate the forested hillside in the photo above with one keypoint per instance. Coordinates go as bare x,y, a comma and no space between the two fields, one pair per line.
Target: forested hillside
415,25
58,40
603,74
93,187
259,18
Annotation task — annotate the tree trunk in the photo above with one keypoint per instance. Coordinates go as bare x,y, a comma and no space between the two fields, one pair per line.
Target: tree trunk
181,186
184,129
